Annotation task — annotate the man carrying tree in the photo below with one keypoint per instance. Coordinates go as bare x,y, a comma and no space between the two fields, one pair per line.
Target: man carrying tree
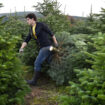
40,32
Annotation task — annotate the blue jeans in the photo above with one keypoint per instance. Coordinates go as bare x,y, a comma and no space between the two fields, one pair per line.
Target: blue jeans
44,54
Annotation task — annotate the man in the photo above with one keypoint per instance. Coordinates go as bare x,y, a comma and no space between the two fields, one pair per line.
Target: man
40,32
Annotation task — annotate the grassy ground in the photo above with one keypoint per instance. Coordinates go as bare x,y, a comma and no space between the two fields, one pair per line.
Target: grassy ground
45,93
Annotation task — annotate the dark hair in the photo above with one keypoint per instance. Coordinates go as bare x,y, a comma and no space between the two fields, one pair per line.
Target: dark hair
31,15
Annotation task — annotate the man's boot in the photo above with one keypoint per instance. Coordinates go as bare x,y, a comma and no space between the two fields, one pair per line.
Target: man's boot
35,78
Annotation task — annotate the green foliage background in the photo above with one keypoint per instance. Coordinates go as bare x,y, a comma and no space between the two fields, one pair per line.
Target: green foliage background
13,87
90,87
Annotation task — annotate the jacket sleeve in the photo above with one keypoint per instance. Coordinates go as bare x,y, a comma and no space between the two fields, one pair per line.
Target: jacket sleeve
45,27
28,38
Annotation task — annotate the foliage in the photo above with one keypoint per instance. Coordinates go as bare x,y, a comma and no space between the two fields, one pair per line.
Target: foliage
85,26
13,87
70,56
48,7
30,53
92,24
100,20
90,88
53,17
57,23
20,28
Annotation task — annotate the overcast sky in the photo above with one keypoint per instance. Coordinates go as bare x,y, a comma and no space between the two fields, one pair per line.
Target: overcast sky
71,7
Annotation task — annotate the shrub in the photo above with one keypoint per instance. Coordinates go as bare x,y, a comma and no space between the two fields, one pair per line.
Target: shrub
71,56
13,87
30,53
90,87
54,22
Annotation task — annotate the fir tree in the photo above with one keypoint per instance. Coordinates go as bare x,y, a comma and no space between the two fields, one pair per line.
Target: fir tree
13,87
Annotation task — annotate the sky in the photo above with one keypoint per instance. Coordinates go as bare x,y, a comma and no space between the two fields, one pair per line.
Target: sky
70,7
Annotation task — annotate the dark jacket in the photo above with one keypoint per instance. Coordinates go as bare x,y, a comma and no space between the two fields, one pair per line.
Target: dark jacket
42,33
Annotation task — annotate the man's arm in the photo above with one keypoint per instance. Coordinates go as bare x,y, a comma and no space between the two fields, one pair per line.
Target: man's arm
45,27
24,44
55,41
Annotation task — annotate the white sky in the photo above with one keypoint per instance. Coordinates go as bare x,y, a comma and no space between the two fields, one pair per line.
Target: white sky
71,7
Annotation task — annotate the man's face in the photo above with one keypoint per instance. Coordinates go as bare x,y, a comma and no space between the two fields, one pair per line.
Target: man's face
30,21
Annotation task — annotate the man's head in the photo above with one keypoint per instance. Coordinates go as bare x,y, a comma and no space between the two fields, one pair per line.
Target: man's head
31,18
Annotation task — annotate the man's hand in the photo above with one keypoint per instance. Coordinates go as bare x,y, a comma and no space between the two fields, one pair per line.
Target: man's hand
24,44
21,50
56,45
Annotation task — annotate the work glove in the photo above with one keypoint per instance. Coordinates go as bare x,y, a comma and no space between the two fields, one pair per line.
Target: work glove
53,49
21,50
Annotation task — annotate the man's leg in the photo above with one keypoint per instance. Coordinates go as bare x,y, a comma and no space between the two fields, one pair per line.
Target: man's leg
43,54
34,79
50,57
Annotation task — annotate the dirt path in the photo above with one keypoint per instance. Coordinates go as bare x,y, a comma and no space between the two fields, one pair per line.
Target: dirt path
43,94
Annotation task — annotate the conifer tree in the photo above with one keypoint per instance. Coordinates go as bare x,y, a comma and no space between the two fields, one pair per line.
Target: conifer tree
70,56
48,7
100,21
90,87
13,87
